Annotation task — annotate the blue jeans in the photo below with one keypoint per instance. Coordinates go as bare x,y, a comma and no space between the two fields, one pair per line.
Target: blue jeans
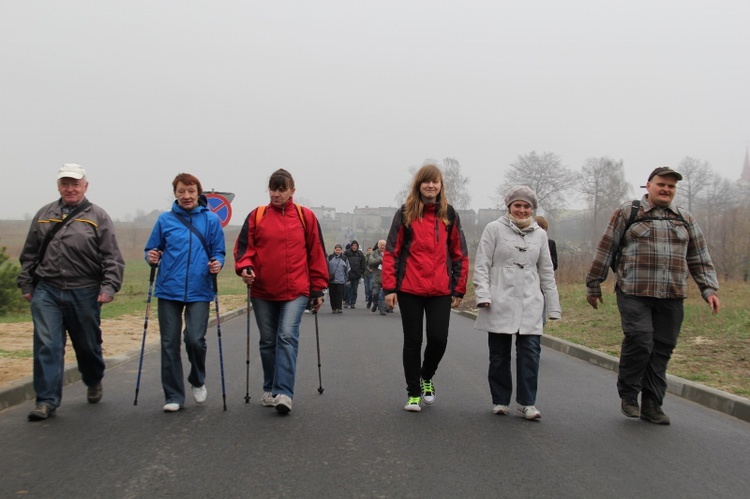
55,311
377,297
350,294
368,288
170,325
528,351
278,323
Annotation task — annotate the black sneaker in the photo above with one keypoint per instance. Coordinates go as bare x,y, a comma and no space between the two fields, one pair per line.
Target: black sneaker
41,412
94,393
629,408
652,412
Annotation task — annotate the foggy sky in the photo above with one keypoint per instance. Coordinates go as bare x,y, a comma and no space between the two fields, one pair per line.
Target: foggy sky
348,95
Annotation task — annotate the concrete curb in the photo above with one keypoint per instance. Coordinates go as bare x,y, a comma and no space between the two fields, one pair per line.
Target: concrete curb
22,390
732,405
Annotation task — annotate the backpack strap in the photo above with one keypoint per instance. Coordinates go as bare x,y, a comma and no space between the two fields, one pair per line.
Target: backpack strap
261,210
634,207
68,219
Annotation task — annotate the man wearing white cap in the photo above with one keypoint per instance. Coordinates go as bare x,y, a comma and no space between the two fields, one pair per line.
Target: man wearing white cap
70,265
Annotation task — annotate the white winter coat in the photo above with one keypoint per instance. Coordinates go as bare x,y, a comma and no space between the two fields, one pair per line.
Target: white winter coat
513,272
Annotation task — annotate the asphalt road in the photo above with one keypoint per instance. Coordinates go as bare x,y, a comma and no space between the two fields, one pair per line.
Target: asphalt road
355,439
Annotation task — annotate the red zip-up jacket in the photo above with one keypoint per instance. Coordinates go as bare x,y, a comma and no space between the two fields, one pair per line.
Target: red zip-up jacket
433,264
289,259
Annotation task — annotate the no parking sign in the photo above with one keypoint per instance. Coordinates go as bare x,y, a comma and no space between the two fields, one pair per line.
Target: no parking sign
219,203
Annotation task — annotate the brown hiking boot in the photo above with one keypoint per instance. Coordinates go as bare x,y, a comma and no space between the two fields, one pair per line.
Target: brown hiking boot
651,412
94,393
629,408
41,412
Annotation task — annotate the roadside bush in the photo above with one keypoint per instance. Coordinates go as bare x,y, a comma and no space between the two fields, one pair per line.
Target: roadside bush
11,300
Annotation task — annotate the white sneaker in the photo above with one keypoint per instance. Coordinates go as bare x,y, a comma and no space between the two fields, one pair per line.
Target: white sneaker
283,404
200,393
529,412
500,409
428,391
171,407
267,399
412,405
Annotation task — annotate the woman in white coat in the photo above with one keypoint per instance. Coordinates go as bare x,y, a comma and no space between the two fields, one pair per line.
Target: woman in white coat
512,278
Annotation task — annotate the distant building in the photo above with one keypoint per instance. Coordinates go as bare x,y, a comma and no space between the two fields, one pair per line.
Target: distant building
468,217
375,218
324,212
487,215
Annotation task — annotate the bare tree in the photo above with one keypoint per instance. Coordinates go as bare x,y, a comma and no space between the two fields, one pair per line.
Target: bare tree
456,185
545,174
696,175
719,196
603,186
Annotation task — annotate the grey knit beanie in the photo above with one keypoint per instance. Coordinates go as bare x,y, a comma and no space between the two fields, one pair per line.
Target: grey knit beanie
521,193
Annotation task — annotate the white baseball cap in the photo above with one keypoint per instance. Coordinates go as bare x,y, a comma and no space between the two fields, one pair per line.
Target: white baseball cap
71,170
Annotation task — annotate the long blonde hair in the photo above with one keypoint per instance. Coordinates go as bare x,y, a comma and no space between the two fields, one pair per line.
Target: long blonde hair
414,207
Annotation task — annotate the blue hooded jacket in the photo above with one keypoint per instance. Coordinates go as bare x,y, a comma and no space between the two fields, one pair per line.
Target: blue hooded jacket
183,269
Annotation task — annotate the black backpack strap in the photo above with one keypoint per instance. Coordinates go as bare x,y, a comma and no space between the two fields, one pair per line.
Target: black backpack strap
634,207
195,231
54,230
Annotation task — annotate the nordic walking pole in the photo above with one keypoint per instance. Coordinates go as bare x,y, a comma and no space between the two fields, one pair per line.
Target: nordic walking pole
247,357
317,341
145,327
218,332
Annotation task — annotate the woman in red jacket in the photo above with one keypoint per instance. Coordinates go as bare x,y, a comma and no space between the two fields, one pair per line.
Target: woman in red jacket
425,268
280,254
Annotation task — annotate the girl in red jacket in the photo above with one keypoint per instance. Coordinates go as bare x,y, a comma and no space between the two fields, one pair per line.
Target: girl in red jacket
425,268
280,254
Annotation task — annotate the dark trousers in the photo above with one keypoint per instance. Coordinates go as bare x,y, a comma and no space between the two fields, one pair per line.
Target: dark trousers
500,377
414,310
336,295
650,329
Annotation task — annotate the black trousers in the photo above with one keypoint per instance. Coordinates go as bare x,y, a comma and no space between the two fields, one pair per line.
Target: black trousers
336,295
650,329
415,311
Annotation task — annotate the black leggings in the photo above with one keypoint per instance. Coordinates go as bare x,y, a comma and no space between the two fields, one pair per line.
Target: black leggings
437,311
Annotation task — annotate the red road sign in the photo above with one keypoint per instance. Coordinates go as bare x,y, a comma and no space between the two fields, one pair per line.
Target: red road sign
219,205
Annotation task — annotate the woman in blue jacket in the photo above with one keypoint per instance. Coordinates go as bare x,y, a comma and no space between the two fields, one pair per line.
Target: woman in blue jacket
187,244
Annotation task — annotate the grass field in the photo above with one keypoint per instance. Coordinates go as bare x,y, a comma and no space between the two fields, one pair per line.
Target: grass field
132,296
712,349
